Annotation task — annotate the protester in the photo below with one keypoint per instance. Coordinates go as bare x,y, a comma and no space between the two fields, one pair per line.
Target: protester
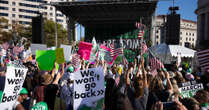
128,85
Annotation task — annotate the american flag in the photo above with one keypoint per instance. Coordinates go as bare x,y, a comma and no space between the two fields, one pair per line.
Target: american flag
144,48
155,63
76,60
141,28
115,51
203,58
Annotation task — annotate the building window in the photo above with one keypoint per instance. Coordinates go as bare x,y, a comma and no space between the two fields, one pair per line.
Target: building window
193,34
4,2
23,16
13,15
51,14
13,9
180,33
59,20
13,21
51,8
24,22
28,11
4,8
186,33
3,14
186,38
189,39
180,38
157,37
157,31
189,34
13,3
157,43
192,39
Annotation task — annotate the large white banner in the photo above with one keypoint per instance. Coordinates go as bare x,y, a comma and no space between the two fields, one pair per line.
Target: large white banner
15,77
67,51
89,88
35,47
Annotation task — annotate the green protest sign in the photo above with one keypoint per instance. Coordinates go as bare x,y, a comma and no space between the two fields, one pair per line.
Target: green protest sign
60,58
45,59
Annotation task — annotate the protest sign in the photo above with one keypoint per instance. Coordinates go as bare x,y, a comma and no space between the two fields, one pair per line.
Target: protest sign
67,51
45,59
189,89
60,55
94,50
15,77
85,50
35,47
88,88
107,57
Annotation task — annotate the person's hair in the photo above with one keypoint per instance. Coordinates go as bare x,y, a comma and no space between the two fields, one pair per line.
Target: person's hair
202,96
156,84
122,102
50,95
189,103
179,78
137,87
149,79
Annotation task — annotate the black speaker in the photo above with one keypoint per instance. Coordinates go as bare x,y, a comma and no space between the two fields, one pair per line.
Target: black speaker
37,29
173,29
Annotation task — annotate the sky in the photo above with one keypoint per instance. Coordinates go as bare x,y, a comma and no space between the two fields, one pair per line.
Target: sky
186,8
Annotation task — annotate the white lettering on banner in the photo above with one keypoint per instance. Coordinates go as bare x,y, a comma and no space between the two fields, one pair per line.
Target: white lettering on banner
189,91
88,87
15,77
127,43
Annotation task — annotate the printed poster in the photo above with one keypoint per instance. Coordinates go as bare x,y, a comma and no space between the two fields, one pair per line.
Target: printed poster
89,89
15,77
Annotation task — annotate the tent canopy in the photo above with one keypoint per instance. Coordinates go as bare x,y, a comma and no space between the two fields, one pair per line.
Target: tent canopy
166,52
183,51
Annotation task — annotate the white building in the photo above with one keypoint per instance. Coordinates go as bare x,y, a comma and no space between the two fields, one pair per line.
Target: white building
203,24
22,11
188,31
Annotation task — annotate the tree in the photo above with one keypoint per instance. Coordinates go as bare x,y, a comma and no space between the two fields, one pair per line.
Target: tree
49,33
5,35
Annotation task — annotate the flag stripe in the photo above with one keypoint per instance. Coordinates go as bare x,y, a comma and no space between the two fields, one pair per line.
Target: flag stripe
203,58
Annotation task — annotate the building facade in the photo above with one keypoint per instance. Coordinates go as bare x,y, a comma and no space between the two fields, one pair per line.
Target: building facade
22,11
203,24
188,32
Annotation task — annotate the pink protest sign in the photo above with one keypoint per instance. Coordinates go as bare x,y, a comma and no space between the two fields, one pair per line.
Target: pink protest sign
106,51
85,50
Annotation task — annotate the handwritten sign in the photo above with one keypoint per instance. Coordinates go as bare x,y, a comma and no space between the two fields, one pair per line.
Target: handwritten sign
60,55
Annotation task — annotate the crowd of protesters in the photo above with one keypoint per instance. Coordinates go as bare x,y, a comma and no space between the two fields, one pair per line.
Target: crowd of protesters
129,86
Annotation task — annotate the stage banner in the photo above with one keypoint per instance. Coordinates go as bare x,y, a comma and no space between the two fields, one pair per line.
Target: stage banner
89,89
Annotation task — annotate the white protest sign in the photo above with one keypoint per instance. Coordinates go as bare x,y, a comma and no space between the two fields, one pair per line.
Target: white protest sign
88,88
15,77
35,47
67,51
189,90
